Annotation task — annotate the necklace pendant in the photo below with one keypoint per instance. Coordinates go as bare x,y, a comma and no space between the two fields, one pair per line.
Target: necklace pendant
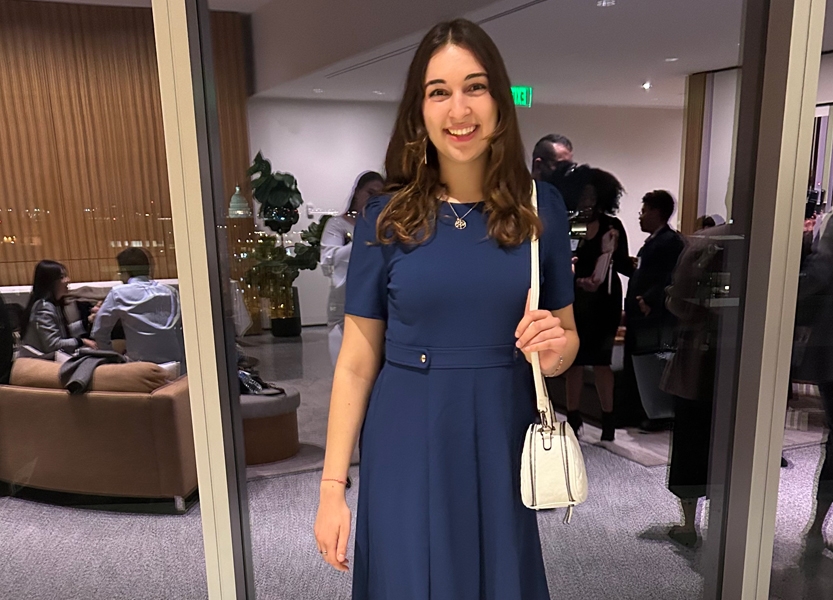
460,223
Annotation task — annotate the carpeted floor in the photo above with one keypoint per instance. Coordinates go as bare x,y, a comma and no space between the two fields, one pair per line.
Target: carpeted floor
614,548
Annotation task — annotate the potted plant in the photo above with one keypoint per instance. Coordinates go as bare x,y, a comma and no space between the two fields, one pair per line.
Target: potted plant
277,266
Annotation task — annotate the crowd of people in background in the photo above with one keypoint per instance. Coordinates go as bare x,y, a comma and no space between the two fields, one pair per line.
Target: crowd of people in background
652,323
668,367
671,323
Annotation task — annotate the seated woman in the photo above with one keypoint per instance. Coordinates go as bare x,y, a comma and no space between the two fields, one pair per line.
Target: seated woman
44,324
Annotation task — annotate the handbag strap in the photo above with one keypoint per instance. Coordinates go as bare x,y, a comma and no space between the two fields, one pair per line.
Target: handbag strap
543,399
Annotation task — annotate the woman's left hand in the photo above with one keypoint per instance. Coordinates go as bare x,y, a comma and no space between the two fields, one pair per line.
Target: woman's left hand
541,331
586,284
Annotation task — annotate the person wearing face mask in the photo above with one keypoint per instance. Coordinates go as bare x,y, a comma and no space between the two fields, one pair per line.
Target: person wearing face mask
44,326
552,159
336,246
550,151
438,335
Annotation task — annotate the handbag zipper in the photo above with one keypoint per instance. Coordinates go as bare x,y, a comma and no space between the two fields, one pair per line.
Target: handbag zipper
532,464
569,515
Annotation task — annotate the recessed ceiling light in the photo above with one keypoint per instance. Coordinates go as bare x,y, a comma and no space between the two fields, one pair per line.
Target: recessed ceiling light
647,86
318,91
378,93
672,59
605,3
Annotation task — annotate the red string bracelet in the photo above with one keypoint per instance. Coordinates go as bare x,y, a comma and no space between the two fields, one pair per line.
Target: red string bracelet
343,482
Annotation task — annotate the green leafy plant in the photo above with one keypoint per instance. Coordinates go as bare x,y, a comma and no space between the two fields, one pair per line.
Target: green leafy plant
278,195
277,266
276,261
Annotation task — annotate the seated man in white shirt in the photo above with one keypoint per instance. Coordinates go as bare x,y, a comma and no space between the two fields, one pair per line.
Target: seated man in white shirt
149,313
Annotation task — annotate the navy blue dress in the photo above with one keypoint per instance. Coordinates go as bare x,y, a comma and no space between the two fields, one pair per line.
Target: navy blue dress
440,514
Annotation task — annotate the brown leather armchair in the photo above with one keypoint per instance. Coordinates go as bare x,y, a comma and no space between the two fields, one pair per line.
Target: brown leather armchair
136,444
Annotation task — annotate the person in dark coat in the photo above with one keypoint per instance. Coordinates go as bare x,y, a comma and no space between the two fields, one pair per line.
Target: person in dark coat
690,374
650,326
815,308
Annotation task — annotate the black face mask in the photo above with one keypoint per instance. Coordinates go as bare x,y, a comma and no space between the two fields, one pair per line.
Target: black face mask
569,179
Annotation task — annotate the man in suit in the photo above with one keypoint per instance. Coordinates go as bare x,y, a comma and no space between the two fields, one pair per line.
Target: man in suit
650,327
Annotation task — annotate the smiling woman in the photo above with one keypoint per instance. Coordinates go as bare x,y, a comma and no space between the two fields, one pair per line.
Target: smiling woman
457,107
440,402
460,114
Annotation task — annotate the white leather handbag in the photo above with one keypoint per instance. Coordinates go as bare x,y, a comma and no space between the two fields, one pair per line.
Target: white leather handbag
552,466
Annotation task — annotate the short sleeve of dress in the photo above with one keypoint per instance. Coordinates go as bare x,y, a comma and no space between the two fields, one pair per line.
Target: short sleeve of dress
556,255
367,274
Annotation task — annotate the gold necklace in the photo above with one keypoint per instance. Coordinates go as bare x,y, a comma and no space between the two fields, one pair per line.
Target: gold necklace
460,223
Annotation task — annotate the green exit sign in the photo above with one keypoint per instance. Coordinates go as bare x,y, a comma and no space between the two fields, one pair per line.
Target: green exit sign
522,95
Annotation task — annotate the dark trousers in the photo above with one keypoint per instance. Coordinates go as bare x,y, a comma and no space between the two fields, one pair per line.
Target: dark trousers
690,446
626,398
825,491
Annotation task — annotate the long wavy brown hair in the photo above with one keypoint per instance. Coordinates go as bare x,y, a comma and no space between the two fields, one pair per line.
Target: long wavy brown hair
413,171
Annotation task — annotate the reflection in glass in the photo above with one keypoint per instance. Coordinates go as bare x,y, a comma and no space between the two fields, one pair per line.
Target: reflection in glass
327,123
98,484
803,559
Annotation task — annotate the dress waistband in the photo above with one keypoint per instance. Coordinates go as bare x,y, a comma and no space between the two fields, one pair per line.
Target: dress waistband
476,357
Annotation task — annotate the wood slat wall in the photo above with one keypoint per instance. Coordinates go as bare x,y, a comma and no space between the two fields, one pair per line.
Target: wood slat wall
694,121
230,72
82,151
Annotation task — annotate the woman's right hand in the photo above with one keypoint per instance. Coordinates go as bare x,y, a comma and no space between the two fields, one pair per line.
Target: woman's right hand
332,525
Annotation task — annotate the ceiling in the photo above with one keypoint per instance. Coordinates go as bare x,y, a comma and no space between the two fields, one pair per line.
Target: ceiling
572,52
241,6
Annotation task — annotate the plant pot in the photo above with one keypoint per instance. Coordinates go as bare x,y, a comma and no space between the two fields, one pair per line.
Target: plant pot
288,321
251,297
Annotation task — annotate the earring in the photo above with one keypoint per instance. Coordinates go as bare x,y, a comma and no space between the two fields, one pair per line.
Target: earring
425,152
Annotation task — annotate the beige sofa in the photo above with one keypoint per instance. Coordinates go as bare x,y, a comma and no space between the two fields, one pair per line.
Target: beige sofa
131,436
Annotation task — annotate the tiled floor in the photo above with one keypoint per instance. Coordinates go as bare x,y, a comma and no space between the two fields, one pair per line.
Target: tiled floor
302,363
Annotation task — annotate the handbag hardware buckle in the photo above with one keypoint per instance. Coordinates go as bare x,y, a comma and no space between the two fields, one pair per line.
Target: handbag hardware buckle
546,432
546,436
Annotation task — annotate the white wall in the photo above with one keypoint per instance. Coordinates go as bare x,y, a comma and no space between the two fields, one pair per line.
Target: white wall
327,144
719,143
720,124
640,146
825,93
